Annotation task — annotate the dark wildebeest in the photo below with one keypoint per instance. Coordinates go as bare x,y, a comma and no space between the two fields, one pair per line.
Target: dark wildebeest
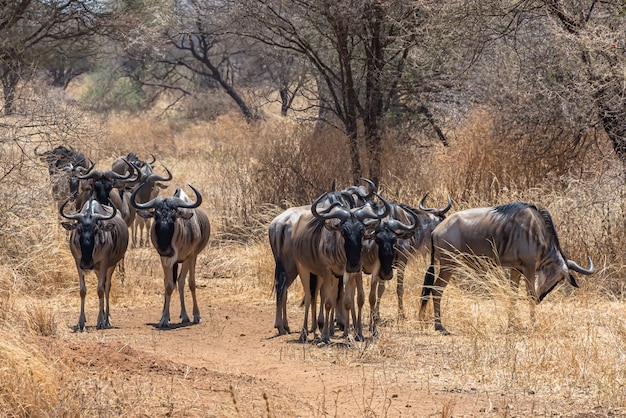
328,244
98,241
180,231
379,253
518,236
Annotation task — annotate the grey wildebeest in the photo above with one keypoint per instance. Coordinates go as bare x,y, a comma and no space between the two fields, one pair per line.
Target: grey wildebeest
98,241
279,234
180,231
328,244
518,236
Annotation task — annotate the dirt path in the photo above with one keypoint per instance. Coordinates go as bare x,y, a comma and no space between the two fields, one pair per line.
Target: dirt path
233,364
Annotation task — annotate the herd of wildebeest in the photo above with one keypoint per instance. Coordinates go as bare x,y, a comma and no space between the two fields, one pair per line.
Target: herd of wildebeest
328,244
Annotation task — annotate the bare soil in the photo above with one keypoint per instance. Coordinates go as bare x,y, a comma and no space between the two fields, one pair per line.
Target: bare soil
234,364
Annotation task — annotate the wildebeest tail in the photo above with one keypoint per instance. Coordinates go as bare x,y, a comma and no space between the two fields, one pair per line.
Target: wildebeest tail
429,278
175,273
280,279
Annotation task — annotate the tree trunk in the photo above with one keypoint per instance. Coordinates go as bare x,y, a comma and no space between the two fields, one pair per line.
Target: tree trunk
9,85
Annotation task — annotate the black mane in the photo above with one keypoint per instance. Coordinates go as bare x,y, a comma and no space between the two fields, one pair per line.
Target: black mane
512,208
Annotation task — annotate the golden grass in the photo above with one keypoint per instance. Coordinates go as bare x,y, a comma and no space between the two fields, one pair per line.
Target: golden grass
575,353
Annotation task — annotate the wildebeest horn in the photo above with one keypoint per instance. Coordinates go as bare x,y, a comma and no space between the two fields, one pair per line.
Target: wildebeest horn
573,266
188,205
341,213
395,224
366,211
434,210
153,159
156,177
72,216
96,216
148,205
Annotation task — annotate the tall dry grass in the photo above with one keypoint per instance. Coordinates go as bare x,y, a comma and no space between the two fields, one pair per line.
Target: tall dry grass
249,173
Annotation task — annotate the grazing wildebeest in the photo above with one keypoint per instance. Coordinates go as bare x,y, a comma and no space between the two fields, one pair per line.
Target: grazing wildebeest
517,236
180,231
98,241
328,244
279,233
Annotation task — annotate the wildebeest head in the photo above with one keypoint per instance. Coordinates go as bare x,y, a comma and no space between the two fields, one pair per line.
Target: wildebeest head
554,267
386,235
102,182
165,212
88,226
352,226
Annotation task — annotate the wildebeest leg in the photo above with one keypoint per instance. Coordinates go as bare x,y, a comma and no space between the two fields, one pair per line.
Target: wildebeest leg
514,277
329,297
122,270
184,318
305,278
339,313
102,292
529,277
134,232
437,291
400,266
168,282
192,287
360,300
376,293
347,302
107,292
83,292
374,313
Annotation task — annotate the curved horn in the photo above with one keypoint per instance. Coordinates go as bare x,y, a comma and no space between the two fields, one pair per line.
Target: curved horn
341,213
74,216
148,205
101,217
573,266
153,160
396,224
188,205
156,177
431,210
366,211
372,187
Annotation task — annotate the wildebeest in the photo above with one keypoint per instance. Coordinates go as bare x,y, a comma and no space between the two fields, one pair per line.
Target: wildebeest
100,184
379,252
328,243
417,244
518,236
279,233
180,231
148,186
98,241
64,167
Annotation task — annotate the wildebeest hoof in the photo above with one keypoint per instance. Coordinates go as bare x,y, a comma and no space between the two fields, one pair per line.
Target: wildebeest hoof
303,336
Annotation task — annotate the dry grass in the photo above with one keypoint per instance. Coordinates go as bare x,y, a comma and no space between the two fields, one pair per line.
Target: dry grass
576,353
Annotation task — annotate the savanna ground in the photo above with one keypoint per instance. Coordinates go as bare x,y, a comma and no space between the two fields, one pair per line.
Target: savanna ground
571,363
